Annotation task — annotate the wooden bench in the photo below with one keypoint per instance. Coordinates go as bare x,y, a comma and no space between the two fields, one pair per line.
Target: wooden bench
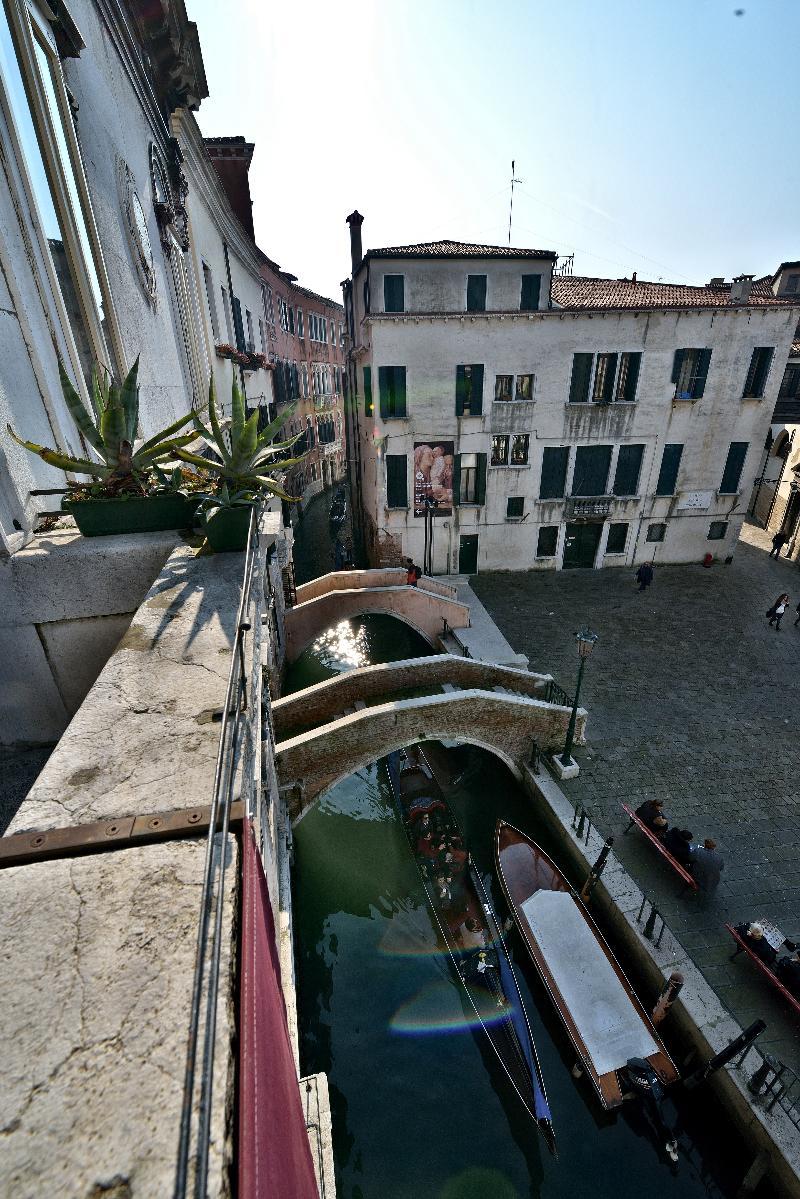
660,846
763,967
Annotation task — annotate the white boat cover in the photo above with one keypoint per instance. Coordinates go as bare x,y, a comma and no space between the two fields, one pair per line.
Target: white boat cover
609,1024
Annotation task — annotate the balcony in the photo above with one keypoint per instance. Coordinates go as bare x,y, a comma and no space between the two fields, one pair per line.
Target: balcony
587,505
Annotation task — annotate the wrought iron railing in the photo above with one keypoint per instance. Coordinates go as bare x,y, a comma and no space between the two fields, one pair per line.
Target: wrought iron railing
557,695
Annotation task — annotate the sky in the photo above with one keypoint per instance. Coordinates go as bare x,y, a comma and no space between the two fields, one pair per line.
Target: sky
656,136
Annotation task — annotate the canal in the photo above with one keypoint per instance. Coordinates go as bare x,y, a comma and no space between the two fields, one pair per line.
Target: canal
417,1109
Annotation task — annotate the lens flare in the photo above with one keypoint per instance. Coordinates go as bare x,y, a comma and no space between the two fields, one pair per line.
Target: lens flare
437,1009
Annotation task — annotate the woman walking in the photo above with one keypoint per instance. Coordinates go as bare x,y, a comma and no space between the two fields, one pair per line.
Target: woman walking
775,613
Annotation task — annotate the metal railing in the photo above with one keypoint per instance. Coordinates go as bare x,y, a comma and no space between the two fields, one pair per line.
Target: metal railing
234,776
557,695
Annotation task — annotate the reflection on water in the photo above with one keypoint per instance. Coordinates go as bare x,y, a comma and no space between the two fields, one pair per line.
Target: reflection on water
344,646
360,641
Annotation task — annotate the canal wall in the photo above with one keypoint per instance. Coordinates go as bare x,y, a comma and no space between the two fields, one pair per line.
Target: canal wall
702,1023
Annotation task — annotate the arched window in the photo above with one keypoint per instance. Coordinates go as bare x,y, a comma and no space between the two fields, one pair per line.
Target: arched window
781,447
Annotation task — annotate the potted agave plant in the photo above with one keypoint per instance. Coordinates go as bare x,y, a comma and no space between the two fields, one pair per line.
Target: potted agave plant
125,495
245,467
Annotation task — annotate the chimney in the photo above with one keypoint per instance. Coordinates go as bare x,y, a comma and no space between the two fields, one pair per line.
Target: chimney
740,289
355,221
633,277
231,157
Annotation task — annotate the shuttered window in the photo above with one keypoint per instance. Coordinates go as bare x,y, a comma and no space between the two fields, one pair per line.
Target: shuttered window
760,363
592,463
581,374
629,465
238,326
733,468
555,460
469,479
396,481
392,391
368,405
627,378
548,540
604,375
476,293
668,474
469,390
394,293
529,298
617,537
689,373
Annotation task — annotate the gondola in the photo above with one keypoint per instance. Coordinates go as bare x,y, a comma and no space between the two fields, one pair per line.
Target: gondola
483,971
616,1043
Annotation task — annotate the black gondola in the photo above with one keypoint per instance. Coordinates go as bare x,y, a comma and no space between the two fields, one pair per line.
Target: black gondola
456,895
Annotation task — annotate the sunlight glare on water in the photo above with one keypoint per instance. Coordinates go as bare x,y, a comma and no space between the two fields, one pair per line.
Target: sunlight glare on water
344,646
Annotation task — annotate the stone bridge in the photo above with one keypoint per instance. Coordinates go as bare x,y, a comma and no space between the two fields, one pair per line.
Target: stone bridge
344,594
504,724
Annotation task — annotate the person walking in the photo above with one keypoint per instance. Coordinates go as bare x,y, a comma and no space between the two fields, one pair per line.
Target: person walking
775,613
707,865
644,576
413,573
778,542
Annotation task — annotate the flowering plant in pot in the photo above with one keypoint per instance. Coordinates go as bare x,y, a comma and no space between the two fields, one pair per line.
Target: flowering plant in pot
121,497
245,464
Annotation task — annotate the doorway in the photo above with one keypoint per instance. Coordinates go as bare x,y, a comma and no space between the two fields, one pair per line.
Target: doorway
468,555
790,516
580,546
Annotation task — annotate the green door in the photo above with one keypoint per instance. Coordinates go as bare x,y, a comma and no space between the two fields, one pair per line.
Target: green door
468,555
580,546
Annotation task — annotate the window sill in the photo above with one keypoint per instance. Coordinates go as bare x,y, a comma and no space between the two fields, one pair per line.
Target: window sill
402,508
545,557
495,400
509,466
615,553
600,404
685,399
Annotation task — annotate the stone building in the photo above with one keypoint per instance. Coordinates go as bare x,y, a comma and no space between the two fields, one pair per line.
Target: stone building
504,416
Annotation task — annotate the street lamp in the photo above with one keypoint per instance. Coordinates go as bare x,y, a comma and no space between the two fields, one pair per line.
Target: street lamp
586,639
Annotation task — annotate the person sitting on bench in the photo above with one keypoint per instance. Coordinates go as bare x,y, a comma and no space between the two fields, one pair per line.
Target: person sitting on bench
651,814
679,843
753,936
788,972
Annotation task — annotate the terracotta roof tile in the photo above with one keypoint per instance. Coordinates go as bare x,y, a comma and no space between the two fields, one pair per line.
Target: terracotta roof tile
457,249
575,292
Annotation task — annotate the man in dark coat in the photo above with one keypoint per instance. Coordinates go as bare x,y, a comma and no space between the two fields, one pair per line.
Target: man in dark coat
753,936
644,576
679,843
707,865
788,971
651,814
778,542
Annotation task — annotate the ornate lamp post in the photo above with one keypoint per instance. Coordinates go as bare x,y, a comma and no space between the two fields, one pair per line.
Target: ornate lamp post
586,640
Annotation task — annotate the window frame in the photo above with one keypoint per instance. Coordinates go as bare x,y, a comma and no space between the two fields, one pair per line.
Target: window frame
717,525
511,499
396,475
389,282
697,374
482,307
722,489
503,399
500,437
515,438
547,529
208,283
522,399
618,524
660,525
758,372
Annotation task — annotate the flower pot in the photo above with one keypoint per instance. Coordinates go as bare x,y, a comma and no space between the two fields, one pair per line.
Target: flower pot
133,514
227,529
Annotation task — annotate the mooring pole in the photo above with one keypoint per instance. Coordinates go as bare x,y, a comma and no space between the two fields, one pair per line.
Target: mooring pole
724,1056
596,871
667,997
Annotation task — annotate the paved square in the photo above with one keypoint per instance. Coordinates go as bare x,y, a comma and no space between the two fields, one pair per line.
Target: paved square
692,698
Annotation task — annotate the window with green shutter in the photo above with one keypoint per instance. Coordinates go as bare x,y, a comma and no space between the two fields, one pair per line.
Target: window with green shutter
548,540
627,378
604,375
394,293
717,530
629,465
581,374
756,379
668,474
237,324
368,405
733,467
469,479
476,293
469,390
515,507
617,538
689,373
392,391
396,481
592,463
529,297
555,461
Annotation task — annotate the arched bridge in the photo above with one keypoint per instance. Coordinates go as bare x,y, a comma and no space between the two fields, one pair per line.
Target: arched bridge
344,594
504,724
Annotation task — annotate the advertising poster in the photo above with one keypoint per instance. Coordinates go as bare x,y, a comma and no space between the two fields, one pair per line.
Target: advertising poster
433,476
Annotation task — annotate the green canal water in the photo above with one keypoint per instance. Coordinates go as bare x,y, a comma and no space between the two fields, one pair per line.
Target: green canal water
418,1113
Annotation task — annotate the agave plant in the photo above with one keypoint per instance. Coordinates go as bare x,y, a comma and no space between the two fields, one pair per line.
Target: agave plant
111,431
247,458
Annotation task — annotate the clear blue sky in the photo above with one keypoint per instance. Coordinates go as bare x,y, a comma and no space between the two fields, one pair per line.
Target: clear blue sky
652,136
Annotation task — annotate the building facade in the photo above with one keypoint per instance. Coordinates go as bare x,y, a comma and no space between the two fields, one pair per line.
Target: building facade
503,416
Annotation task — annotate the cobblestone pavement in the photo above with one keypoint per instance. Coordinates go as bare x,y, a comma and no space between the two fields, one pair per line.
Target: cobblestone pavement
692,698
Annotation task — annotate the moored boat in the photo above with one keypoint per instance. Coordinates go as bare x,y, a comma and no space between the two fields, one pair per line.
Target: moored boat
616,1043
468,931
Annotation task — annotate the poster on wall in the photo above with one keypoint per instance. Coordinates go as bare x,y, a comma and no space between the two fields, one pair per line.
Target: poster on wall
433,476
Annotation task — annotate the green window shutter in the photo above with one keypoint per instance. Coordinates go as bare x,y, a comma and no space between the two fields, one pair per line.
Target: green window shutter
461,389
392,391
480,480
384,390
555,460
368,408
399,391
699,380
394,293
733,467
531,287
396,481
632,377
581,374
759,369
668,474
476,293
456,480
592,464
611,375
677,365
477,389
629,465
238,326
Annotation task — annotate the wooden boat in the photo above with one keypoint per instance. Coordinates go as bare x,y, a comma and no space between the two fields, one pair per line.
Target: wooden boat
482,969
599,1009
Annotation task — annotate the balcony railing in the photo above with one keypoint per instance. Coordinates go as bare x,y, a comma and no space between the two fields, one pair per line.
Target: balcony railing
588,505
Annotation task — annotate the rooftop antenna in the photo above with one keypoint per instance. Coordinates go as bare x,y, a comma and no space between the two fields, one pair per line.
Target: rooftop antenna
511,206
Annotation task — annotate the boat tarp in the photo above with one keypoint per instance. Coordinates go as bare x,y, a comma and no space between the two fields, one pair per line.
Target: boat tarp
274,1152
523,1034
609,1025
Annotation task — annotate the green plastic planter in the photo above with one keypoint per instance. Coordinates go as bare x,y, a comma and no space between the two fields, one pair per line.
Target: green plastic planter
136,514
228,528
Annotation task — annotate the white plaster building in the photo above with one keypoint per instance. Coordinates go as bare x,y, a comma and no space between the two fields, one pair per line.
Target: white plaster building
557,421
